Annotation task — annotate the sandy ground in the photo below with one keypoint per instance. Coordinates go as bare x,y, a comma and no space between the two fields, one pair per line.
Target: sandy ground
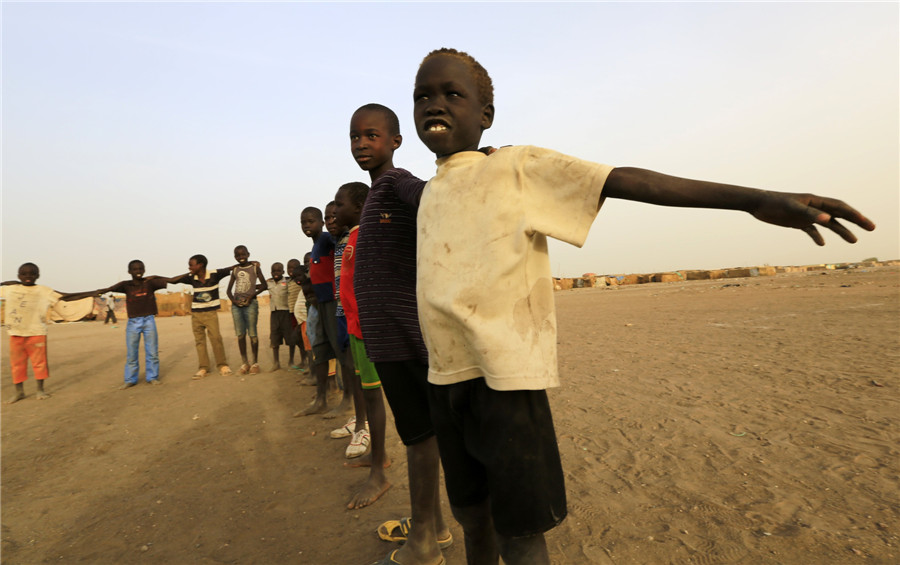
741,421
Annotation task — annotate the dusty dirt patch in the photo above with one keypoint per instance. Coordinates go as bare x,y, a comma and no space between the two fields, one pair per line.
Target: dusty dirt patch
741,421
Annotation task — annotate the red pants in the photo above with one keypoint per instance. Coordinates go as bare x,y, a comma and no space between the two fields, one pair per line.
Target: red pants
21,349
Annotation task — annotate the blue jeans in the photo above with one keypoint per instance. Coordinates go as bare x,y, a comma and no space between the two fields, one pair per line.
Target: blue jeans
245,318
136,326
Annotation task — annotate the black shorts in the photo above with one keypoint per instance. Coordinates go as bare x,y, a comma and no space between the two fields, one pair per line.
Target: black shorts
405,384
280,328
322,352
500,445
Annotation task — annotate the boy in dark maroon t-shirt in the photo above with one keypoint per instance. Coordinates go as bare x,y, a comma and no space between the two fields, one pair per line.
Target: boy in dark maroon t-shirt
140,303
385,285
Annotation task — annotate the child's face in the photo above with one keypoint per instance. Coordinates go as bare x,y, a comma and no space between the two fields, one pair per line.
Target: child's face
330,222
371,143
194,267
346,213
446,107
241,255
28,275
306,261
277,271
293,268
136,270
311,224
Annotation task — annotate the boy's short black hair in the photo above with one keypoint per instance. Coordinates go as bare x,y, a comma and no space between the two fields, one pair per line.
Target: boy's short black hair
330,204
244,247
201,259
133,261
356,192
31,266
313,210
392,121
481,76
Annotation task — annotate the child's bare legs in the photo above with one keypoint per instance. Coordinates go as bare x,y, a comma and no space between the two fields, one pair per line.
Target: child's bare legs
478,530
20,393
377,483
254,348
41,393
242,347
374,400
530,550
320,404
276,366
348,375
424,493
291,348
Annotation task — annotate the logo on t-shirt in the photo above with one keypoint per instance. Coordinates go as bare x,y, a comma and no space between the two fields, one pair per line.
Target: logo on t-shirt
385,218
203,297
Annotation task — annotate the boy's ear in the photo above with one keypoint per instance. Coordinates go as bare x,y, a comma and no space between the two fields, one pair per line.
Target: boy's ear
398,140
487,116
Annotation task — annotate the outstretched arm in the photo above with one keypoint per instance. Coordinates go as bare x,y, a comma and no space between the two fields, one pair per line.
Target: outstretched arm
790,210
69,296
178,279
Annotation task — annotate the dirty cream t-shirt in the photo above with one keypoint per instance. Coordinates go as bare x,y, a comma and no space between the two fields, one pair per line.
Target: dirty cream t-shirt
25,308
484,284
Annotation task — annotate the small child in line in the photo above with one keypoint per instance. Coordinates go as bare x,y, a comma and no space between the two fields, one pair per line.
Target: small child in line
205,304
297,304
325,343
490,326
25,306
280,330
349,201
140,303
312,316
330,221
245,284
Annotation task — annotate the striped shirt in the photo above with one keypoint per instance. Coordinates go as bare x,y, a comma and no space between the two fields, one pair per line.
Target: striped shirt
206,292
385,274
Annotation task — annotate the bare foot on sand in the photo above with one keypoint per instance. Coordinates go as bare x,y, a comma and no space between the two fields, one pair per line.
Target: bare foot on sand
41,395
317,407
366,461
19,396
368,494
341,409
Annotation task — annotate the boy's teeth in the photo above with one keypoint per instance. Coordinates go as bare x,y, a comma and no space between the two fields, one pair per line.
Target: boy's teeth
437,127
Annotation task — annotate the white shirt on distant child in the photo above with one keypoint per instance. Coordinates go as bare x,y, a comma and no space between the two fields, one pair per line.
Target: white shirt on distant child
484,285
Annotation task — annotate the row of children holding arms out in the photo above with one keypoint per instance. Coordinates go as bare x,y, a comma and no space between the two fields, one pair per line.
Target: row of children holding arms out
26,305
459,322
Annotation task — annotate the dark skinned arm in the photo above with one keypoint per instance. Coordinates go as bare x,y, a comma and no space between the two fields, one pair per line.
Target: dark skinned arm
790,210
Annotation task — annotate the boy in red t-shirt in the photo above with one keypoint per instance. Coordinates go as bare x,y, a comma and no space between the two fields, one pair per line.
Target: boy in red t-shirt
349,201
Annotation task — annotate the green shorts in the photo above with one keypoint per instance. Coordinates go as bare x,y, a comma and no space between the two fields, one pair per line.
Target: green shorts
364,366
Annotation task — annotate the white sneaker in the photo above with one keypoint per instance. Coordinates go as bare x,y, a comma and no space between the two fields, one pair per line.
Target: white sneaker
346,430
359,445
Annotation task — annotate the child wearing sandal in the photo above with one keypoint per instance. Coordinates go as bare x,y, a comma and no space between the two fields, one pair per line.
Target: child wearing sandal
205,304
243,287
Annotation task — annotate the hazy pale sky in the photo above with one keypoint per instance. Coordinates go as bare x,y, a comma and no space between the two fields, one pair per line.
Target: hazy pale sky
160,130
